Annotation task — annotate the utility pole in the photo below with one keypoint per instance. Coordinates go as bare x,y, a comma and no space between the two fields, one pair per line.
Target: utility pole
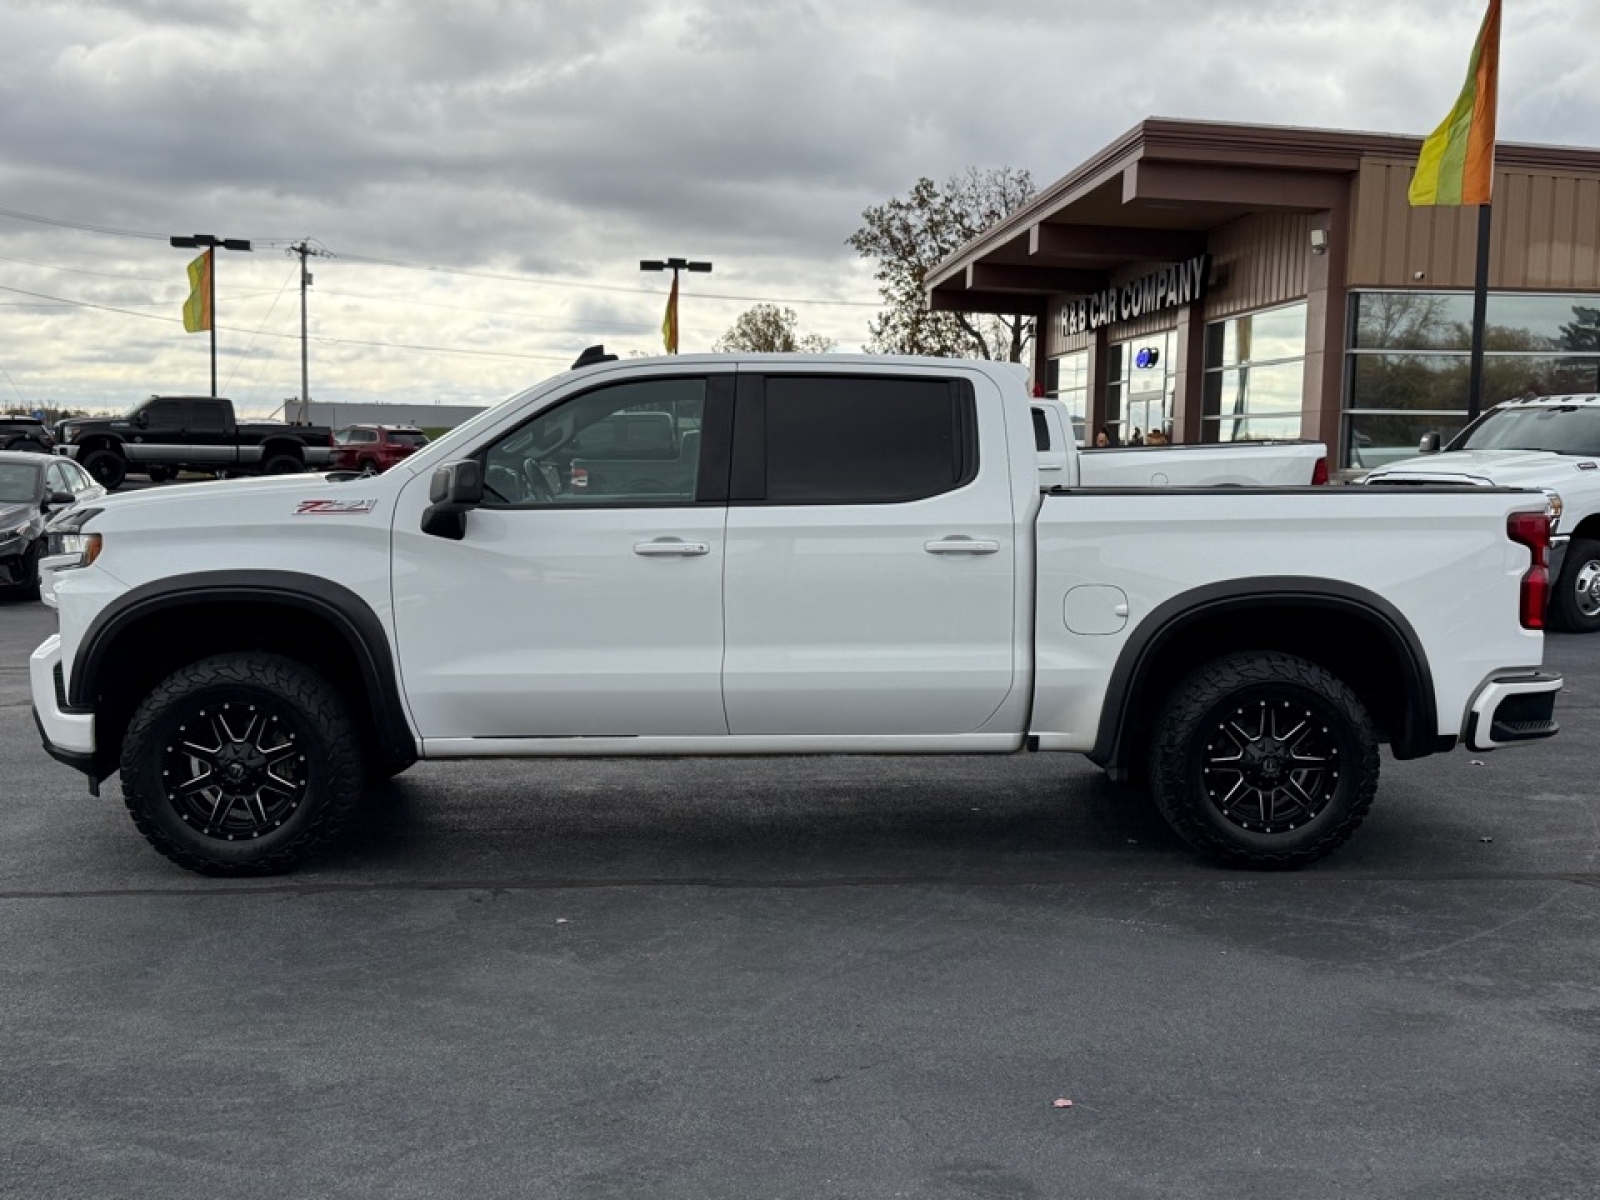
212,244
304,249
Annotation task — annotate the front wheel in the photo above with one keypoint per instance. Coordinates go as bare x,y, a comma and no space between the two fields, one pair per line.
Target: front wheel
1263,760
241,764
1575,601
107,467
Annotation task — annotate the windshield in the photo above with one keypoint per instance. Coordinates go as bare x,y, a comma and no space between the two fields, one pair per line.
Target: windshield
19,483
1567,429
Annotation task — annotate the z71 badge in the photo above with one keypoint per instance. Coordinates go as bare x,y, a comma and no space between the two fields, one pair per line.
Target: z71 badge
334,508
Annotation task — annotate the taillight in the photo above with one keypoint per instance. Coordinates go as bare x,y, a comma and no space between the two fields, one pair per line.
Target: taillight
1319,473
1533,531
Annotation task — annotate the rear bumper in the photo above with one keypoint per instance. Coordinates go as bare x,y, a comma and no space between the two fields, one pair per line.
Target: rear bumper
1513,709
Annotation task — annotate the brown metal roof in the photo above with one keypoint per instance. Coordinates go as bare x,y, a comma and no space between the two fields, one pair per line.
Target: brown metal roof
1153,194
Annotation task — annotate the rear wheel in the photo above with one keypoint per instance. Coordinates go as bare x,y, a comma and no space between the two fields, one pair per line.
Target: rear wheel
107,467
1263,760
241,764
367,466
1575,602
160,474
282,464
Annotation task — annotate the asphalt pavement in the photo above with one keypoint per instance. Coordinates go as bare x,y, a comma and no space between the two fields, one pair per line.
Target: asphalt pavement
807,978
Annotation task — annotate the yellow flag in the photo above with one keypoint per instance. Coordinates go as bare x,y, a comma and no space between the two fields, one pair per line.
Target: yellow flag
197,308
669,323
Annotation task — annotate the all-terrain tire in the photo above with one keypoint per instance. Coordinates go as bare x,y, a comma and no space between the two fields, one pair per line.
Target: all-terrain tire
282,464
241,764
161,474
1263,760
107,467
1575,599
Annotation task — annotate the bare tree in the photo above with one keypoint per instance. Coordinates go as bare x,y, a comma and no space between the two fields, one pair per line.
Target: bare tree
768,329
909,236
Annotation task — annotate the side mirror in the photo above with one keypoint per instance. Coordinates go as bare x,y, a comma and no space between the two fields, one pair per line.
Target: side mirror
141,419
455,490
59,499
1429,444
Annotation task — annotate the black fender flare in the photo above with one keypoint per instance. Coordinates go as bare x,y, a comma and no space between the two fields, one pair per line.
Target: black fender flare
345,611
1419,735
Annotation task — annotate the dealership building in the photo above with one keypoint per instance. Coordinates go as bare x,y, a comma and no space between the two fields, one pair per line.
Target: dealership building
1230,282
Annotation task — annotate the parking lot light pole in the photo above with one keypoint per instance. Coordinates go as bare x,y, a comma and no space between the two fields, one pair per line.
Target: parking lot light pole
212,243
669,327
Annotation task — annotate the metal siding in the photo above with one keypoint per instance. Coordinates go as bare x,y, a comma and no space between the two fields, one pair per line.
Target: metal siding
1263,259
1586,235
1546,233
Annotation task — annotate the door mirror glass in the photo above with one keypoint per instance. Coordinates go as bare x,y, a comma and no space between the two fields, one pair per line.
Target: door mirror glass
1429,444
59,499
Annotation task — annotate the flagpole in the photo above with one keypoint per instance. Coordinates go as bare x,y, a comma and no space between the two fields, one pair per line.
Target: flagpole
1480,308
211,302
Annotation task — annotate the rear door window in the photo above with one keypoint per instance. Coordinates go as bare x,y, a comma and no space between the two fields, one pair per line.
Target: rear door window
831,439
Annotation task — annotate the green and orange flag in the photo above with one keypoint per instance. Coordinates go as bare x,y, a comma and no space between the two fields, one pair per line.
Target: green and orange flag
1457,161
669,323
197,308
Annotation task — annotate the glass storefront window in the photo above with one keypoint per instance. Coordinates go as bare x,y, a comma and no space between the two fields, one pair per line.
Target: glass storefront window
1410,361
1255,376
1069,383
1142,385
1375,439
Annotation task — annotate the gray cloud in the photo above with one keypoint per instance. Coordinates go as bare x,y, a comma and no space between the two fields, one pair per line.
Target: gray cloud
567,139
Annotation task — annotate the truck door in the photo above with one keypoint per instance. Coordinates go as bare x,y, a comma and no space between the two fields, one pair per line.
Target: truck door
157,429
211,436
871,557
576,612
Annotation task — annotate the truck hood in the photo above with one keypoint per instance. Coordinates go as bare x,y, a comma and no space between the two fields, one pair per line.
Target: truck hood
1500,468
253,500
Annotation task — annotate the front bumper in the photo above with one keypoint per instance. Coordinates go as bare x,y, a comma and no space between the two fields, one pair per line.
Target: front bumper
1513,709
68,734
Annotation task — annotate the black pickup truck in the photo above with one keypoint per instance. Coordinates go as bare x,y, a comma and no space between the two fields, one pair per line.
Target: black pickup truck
167,434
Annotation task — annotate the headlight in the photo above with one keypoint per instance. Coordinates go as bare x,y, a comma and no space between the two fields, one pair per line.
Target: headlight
14,531
66,536
1552,506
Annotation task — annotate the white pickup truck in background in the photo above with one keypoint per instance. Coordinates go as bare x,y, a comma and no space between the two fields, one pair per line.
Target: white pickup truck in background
771,555
1223,464
1547,442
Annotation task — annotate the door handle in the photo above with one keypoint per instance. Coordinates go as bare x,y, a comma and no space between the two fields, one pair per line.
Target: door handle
672,549
961,545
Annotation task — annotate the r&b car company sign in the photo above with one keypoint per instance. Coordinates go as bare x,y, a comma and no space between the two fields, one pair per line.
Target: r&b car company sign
1170,287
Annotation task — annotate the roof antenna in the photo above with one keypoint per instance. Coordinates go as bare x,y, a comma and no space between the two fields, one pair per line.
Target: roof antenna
594,354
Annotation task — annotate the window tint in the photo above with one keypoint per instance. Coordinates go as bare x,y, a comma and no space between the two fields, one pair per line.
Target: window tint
838,440
165,415
408,437
209,418
1041,430
632,443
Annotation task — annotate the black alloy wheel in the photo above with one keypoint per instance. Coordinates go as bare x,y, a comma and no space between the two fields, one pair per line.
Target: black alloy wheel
235,772
241,764
1263,760
106,467
1271,765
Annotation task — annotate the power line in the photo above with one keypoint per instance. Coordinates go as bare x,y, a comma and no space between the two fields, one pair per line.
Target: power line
331,341
373,260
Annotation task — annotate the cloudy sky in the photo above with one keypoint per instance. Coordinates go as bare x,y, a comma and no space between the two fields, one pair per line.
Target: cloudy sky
486,174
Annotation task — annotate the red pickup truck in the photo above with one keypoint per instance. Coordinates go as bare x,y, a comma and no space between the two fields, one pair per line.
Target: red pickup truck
374,448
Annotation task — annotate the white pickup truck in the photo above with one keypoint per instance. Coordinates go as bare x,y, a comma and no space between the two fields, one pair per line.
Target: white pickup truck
1062,463
1546,442
815,555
